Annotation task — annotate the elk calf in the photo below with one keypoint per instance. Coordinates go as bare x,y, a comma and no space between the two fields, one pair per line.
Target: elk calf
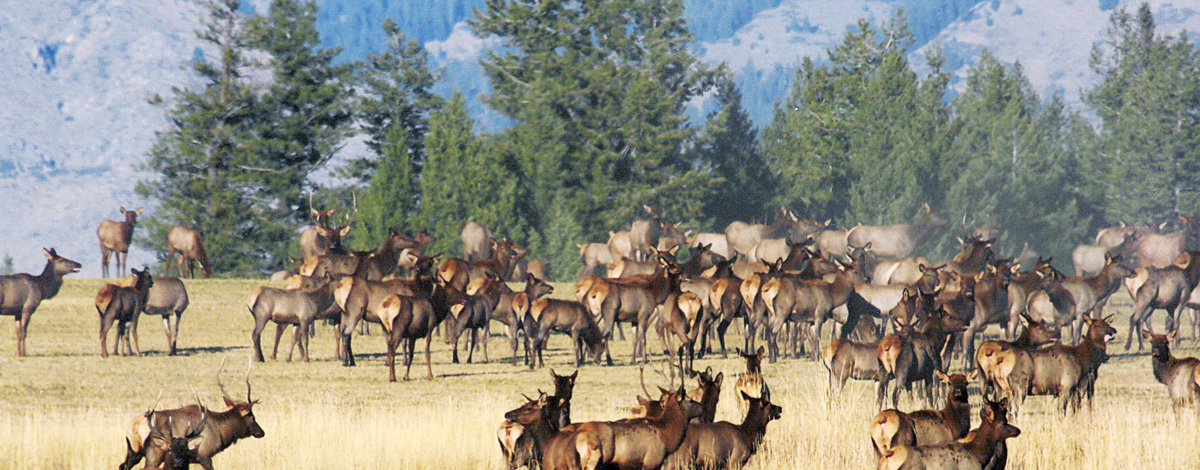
122,305
1176,373
542,316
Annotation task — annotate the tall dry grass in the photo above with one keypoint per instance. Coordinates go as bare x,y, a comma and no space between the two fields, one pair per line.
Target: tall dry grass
65,407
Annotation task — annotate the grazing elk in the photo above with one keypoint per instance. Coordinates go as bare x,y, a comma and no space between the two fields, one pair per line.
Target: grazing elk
168,299
221,429
1166,288
20,294
594,255
312,300
983,447
896,241
122,305
176,449
725,445
187,243
476,241
542,316
892,428
322,238
1178,374
115,237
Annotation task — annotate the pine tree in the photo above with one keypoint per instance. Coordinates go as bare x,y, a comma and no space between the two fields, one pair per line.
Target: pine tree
199,160
729,145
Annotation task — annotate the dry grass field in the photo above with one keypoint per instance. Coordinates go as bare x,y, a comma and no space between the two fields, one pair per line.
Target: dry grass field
65,407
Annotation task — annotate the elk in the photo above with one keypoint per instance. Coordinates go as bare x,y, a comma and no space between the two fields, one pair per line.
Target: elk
474,315
996,360
725,299
846,360
751,382
619,245
360,300
221,429
594,255
633,443
20,294
832,242
724,444
1176,373
187,243
115,237
891,428
1167,288
992,306
1067,372
407,319
384,260
517,445
176,448
1088,259
717,241
311,301
742,237
1144,250
542,316
634,300
896,241
972,257
507,304
795,300
644,234
983,447
122,305
168,299
476,241
322,238
1078,297
914,355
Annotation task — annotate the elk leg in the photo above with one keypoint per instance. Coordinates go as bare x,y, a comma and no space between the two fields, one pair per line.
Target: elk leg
470,346
487,334
256,337
22,325
279,327
428,361
105,324
166,319
968,338
1141,309
392,339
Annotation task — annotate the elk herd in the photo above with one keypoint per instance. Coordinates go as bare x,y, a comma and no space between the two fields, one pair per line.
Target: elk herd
895,319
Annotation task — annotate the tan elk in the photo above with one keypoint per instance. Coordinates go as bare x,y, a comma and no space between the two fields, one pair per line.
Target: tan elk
983,447
891,428
717,241
168,298
20,294
542,316
1166,288
996,360
1066,372
1077,297
742,237
751,383
633,300
1159,251
844,360
312,300
115,238
186,242
896,241
644,234
725,445
323,238
221,429
594,255
1178,374
121,305
476,241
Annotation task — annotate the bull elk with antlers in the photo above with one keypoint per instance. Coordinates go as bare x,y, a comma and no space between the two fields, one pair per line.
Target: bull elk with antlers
115,237
219,431
322,238
20,294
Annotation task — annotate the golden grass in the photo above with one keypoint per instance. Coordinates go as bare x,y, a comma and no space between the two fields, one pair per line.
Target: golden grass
65,407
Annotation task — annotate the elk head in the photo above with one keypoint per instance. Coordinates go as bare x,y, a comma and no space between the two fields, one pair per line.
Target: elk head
61,265
244,409
130,216
563,384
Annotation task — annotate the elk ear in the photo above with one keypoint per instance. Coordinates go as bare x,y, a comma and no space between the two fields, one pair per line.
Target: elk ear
1147,335
574,375
720,377
139,211
1109,318
1171,336
744,396
943,377
122,209
49,253
345,230
230,403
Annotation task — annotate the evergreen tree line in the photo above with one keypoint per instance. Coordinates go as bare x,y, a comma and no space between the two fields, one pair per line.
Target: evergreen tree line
598,94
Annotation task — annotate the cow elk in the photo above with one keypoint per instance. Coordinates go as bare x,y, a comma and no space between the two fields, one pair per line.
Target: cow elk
742,237
186,242
168,298
1166,288
896,241
115,238
1178,374
121,305
725,445
310,301
594,255
20,294
1067,372
1070,301
644,234
981,448
892,428
542,316
846,360
476,240
751,383
996,360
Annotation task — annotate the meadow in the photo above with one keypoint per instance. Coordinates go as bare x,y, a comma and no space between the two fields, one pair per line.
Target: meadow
66,407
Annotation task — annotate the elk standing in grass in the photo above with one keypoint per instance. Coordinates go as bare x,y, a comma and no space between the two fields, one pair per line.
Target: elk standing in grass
1078,297
644,234
892,428
594,255
187,243
115,237
221,429
1067,372
725,445
168,299
1167,288
997,359
20,294
1178,374
751,383
742,237
122,305
322,238
983,447
542,316
300,307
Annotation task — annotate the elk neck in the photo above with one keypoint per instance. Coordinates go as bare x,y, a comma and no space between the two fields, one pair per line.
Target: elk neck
49,281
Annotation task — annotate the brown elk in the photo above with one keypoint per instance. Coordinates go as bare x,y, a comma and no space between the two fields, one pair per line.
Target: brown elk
1167,288
832,242
844,360
517,445
322,238
115,238
475,315
312,300
1067,372
891,428
619,245
793,300
634,300
187,243
972,257
725,302
1110,237
20,294
996,360
221,429
509,307
742,237
476,241
914,355
634,443
122,305
896,241
644,234
992,306
1178,374
1159,251
543,316
178,456
983,447
168,299
594,255
1077,297
724,444
751,382
406,319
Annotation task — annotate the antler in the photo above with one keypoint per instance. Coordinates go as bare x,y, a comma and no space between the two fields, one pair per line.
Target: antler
249,363
353,215
642,379
221,385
